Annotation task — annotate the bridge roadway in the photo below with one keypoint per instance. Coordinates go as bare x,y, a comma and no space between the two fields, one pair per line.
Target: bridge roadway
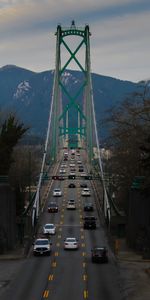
67,275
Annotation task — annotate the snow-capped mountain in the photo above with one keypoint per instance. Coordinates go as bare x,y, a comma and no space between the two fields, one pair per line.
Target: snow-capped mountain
29,93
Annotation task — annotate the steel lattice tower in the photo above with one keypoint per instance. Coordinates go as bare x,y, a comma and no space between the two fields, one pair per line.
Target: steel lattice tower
61,116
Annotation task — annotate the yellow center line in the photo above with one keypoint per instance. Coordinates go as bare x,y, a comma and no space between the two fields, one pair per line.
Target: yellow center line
58,244
56,254
46,293
84,277
83,245
59,236
61,223
85,294
81,229
82,237
60,229
54,264
84,264
83,253
51,277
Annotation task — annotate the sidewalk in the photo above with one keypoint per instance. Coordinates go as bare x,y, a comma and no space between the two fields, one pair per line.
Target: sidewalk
134,273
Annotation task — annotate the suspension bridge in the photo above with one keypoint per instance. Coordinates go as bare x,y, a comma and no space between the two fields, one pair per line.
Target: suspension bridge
71,146
62,131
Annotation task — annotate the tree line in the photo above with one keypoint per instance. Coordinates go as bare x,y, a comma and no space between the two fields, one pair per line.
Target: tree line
129,141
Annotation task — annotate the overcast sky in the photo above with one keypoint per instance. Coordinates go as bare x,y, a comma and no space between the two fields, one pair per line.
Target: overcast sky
120,40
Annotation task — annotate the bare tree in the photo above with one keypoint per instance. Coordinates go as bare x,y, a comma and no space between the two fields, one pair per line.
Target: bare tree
129,139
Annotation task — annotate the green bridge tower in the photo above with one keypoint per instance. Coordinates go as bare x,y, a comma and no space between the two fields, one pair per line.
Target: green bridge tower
65,132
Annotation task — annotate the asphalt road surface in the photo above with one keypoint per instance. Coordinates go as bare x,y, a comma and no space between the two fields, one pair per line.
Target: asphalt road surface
67,274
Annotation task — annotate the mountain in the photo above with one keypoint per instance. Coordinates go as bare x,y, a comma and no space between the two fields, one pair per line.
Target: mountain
29,93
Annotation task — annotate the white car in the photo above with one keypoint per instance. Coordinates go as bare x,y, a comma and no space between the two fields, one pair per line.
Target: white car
57,192
63,166
86,192
49,229
42,247
62,171
71,204
79,162
71,243
72,173
72,165
83,174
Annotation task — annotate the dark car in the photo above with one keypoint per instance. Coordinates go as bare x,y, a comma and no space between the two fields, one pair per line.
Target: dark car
52,207
71,185
89,222
88,207
83,185
99,255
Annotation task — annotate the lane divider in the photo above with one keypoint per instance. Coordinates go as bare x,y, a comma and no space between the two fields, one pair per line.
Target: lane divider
51,277
45,294
84,277
54,264
85,294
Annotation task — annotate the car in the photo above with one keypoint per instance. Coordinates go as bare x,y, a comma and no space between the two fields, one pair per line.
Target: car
88,207
49,229
57,192
89,222
85,192
72,169
72,165
71,204
83,185
81,169
52,207
71,185
63,166
83,174
71,243
62,171
99,255
42,246
79,162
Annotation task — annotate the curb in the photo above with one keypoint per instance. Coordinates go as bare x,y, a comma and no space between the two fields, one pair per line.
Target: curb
133,260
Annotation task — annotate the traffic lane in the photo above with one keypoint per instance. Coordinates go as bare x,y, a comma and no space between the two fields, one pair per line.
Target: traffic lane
106,276
67,283
103,279
69,265
30,281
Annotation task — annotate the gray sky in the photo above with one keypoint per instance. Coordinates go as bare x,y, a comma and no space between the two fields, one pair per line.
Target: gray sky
120,40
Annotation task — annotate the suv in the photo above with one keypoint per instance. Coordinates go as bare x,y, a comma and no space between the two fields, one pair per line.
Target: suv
89,222
42,246
99,255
